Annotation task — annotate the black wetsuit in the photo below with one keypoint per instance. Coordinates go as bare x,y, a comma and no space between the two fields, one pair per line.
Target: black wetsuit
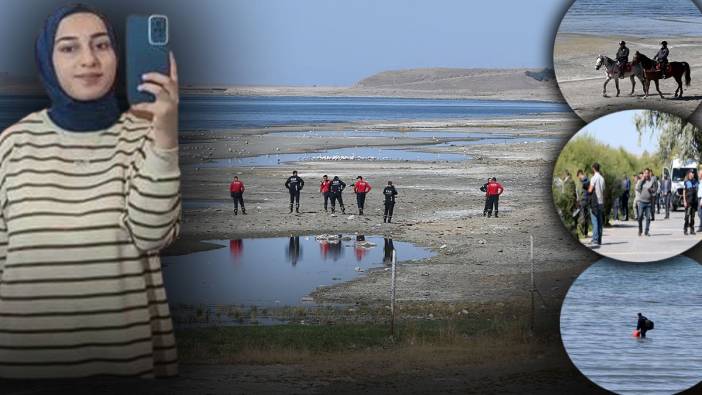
294,185
389,192
335,189
641,325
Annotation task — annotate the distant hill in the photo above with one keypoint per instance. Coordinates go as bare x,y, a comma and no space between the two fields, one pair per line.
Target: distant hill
495,83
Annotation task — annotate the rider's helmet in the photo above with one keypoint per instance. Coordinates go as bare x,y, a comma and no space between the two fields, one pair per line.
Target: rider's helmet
664,43
622,43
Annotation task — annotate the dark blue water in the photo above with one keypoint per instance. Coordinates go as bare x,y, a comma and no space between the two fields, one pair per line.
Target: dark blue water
642,18
279,271
232,112
599,315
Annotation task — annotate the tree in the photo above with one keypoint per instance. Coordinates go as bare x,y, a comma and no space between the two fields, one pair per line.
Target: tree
678,138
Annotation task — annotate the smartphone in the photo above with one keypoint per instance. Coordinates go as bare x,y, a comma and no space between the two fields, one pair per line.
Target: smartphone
147,51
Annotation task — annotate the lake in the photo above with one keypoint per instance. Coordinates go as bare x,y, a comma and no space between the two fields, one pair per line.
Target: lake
599,314
233,112
638,18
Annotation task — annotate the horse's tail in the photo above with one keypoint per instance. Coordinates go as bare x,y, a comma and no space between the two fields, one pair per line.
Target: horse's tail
686,67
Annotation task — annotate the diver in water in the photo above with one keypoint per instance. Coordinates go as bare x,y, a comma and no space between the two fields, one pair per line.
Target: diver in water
643,325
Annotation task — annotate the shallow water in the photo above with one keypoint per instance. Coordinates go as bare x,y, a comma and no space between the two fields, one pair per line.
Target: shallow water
275,272
352,153
599,315
391,133
641,18
232,112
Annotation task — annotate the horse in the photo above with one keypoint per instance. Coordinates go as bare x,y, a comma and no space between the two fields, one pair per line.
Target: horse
676,70
612,71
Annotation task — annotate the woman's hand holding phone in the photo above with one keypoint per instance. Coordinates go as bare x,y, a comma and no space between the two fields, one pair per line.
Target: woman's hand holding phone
164,110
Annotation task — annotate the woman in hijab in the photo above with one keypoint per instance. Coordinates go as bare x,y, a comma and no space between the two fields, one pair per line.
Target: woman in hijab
89,196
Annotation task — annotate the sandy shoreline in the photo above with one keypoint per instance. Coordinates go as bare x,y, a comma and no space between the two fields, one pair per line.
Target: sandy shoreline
439,207
581,84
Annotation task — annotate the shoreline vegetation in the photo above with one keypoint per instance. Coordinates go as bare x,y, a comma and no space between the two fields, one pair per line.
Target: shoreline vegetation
532,84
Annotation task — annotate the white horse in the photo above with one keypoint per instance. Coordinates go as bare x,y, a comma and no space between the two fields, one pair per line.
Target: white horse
612,72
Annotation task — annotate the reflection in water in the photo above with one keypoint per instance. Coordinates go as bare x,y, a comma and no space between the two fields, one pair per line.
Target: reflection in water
265,277
387,251
236,248
331,248
294,251
360,248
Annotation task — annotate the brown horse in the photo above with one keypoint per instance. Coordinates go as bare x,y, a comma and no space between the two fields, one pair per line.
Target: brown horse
675,70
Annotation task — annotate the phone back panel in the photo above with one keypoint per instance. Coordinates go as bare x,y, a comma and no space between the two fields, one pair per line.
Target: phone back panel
142,57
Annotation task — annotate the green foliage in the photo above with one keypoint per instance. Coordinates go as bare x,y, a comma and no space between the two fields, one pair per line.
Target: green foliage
615,163
678,138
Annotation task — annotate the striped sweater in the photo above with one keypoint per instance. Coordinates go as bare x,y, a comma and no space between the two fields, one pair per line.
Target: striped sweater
83,218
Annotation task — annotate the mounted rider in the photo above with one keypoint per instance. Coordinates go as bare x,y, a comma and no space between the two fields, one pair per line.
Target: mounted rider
662,58
622,58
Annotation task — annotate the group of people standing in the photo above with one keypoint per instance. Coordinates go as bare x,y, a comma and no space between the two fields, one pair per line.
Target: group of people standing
331,190
650,193
493,190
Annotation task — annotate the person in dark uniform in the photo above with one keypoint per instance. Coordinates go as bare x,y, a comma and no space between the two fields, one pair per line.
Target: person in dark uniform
643,325
324,190
336,187
662,58
389,192
294,185
690,201
236,189
584,202
484,189
622,58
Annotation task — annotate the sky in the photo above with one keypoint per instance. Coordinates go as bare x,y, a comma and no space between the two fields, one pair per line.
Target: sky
618,130
316,42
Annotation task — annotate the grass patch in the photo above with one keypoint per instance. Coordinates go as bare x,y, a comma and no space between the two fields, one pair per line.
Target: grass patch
295,343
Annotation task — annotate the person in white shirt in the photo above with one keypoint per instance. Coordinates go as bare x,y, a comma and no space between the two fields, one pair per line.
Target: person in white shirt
597,187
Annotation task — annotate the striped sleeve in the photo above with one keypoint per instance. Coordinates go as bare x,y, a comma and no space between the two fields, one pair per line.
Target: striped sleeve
153,211
6,146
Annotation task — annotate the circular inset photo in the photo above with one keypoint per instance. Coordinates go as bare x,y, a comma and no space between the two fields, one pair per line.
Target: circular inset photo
611,56
634,329
627,186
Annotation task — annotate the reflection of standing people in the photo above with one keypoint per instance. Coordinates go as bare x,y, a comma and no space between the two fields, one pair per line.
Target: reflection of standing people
690,201
387,251
389,192
584,202
494,190
324,190
236,247
236,189
666,193
597,187
336,188
360,248
361,188
294,184
294,249
646,190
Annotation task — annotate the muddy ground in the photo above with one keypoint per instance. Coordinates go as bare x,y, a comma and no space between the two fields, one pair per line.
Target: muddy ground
582,85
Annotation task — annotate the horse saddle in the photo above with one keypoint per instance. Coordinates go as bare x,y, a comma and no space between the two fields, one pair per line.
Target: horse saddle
667,69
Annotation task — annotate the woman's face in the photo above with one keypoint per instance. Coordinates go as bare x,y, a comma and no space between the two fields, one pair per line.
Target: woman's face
83,57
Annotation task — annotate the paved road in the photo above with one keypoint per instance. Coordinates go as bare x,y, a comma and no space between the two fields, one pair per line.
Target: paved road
621,241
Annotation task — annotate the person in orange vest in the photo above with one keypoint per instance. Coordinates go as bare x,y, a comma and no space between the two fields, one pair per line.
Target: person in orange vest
494,190
324,190
236,188
361,188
